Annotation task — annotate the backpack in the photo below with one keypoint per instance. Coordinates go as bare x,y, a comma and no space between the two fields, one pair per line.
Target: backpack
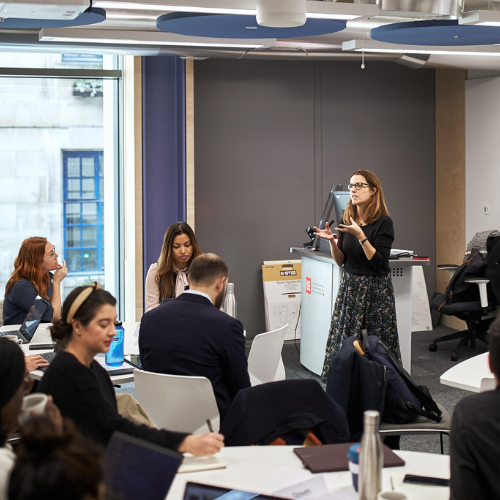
493,265
460,291
404,399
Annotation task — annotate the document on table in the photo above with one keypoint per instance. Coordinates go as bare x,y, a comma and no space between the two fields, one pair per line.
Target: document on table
191,463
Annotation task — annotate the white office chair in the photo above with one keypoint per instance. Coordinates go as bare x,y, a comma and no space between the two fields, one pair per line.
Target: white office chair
264,361
177,402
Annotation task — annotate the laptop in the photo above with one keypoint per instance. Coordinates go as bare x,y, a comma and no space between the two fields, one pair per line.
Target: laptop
135,469
31,322
199,491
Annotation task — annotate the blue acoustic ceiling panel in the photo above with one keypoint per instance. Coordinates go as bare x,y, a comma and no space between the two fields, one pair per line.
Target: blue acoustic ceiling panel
90,16
444,33
236,26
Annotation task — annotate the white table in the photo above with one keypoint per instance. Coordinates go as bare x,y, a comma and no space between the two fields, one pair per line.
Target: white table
320,283
249,466
470,375
131,347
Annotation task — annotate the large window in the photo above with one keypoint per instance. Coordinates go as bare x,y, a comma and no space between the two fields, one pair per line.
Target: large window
83,179
59,172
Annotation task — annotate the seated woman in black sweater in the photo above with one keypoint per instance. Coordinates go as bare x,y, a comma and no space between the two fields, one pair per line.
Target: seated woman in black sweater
82,389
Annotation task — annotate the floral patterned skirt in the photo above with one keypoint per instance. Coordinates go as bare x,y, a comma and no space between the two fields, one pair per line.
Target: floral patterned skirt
363,302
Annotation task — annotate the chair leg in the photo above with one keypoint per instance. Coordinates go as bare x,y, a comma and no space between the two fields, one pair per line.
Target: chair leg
441,439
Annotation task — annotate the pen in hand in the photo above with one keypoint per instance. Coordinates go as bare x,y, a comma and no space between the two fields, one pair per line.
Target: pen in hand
210,428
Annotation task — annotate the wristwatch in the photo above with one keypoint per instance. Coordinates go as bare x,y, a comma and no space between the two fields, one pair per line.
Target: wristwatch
362,241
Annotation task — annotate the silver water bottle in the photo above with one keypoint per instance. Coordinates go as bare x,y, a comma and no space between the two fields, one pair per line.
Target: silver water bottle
370,458
229,306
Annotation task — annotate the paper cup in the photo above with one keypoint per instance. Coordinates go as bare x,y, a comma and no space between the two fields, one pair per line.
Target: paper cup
392,495
14,338
33,405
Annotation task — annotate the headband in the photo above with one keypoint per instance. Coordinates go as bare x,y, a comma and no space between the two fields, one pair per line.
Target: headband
80,299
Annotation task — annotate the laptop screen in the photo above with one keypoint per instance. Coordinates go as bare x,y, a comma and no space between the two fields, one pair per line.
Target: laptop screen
32,320
135,469
199,491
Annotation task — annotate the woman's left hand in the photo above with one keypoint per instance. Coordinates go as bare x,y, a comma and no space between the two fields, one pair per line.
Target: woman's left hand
34,361
354,229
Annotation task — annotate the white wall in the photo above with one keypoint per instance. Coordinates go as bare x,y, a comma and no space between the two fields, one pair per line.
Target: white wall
482,154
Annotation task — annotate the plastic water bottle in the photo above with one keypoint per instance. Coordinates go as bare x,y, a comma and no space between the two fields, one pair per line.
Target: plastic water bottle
115,356
370,458
229,306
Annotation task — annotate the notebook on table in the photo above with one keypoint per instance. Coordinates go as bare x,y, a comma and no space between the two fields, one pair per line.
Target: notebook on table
333,457
135,469
31,322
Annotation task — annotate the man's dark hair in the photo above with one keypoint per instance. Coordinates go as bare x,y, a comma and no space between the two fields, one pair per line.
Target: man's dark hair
206,269
494,346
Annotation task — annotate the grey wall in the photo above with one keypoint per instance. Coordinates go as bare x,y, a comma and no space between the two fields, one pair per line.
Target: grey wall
272,137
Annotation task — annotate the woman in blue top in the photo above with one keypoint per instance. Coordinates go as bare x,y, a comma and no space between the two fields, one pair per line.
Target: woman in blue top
365,299
32,277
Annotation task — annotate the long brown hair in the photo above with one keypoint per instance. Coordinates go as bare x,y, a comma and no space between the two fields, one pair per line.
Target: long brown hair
165,270
28,265
376,207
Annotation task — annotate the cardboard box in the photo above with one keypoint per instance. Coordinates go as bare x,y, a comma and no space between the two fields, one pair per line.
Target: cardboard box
282,287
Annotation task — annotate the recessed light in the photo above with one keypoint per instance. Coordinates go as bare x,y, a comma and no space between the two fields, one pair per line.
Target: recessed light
251,27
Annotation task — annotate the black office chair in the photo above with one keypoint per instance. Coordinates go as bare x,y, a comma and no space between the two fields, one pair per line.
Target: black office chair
479,309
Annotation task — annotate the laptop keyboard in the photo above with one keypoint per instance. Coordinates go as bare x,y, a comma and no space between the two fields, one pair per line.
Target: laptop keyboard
48,356
15,332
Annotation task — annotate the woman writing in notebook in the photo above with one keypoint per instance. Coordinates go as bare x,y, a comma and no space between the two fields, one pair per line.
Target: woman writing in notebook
33,276
168,278
81,387
365,299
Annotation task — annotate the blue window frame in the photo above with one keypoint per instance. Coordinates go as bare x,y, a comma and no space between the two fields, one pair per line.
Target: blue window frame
83,211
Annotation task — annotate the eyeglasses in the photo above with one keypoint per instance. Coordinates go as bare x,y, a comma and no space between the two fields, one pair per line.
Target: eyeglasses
51,254
358,186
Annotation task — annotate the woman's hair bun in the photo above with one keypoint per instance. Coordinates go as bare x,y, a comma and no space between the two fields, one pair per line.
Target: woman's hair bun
40,437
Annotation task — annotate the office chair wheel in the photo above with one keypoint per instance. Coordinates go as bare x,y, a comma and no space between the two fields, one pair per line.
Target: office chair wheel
433,347
454,356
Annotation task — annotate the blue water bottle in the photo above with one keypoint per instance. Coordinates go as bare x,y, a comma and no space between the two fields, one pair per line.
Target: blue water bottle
114,357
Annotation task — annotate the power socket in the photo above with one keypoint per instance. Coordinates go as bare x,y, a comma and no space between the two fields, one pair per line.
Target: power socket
486,210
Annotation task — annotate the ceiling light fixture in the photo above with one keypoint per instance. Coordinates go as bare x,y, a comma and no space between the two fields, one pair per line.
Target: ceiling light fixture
381,47
281,13
144,38
481,18
314,9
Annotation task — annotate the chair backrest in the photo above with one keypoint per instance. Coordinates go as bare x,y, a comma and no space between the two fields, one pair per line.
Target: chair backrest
176,402
264,361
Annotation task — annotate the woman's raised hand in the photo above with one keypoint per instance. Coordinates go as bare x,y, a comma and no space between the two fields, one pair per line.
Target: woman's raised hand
61,272
324,233
354,229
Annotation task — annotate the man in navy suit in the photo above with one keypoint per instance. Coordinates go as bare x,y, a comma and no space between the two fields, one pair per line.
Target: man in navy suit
191,336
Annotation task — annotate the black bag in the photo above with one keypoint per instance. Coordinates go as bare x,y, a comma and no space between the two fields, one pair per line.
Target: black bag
460,291
493,266
404,399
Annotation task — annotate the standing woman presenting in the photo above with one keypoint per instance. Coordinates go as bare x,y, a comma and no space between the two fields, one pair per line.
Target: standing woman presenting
168,278
365,299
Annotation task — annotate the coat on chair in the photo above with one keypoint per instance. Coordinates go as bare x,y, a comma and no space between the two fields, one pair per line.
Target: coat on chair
262,413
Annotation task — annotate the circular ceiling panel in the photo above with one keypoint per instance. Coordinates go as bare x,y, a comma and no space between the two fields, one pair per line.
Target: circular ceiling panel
91,16
441,33
236,26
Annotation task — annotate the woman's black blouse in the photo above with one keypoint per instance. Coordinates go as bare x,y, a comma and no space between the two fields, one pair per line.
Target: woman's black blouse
381,235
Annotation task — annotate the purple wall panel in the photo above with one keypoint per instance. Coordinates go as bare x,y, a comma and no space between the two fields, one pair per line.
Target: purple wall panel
164,183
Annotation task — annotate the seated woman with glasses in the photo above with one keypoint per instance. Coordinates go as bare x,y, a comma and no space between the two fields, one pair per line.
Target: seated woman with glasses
168,278
365,299
31,277
13,386
81,387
